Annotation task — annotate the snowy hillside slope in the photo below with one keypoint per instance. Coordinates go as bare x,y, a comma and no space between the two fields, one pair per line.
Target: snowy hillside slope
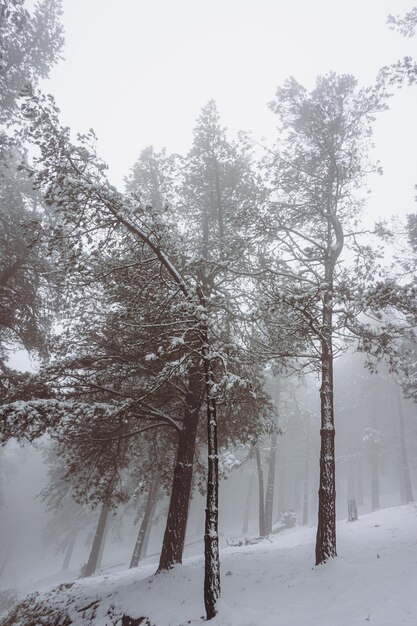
373,580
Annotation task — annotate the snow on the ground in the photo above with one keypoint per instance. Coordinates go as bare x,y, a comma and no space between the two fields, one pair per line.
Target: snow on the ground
373,580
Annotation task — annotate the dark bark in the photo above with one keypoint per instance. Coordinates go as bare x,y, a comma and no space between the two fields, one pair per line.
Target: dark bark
146,521
405,470
326,527
11,271
174,536
262,529
138,621
211,537
69,550
91,564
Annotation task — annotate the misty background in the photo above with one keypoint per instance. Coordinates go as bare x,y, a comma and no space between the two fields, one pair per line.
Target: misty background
139,73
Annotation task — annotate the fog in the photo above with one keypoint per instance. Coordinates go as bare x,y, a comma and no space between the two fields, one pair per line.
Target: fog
32,557
208,304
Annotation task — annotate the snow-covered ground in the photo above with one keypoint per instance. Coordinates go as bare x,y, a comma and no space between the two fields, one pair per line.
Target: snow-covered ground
374,579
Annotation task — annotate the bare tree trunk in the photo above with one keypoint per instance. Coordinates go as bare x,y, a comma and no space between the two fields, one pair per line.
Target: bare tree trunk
282,478
295,490
262,530
269,497
352,510
359,480
405,470
350,490
91,565
149,527
211,537
375,479
174,536
103,543
146,521
403,498
306,478
270,486
326,528
69,550
245,527
219,206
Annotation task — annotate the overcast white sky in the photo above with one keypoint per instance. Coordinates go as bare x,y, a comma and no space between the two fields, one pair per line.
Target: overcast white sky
138,71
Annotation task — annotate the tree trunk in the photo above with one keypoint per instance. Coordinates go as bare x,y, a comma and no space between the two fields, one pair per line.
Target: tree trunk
103,543
69,550
174,536
282,478
269,497
219,206
352,510
149,527
405,470
326,528
262,529
91,565
375,479
350,489
374,460
306,478
403,498
211,537
359,480
146,521
245,527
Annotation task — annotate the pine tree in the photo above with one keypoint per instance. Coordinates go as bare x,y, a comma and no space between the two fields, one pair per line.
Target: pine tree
313,209
30,44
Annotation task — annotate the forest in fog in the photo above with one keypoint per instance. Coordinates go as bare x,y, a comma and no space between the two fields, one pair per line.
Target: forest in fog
213,354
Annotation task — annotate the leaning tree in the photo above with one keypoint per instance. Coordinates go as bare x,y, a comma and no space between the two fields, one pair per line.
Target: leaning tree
91,214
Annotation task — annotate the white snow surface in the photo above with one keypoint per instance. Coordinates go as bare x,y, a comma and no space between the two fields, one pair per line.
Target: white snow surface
373,580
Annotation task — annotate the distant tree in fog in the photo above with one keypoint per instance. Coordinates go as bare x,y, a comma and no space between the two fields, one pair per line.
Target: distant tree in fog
30,43
67,517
